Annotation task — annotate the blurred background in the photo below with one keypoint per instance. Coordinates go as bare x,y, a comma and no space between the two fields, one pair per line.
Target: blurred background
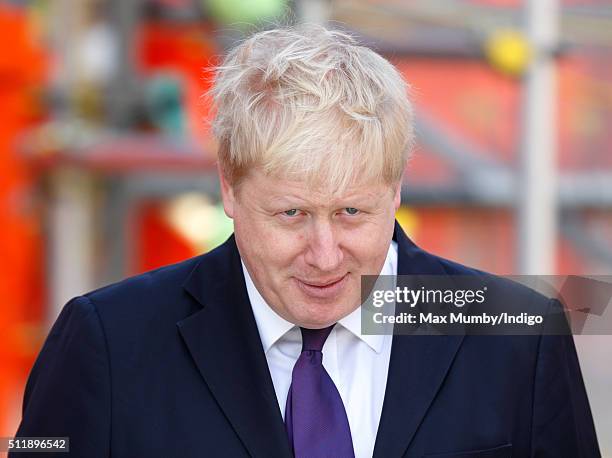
107,162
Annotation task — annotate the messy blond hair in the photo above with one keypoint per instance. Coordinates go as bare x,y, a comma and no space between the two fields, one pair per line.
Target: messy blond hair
311,104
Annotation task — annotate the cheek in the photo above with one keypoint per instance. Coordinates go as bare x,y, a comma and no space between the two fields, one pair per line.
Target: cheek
369,245
267,246
284,249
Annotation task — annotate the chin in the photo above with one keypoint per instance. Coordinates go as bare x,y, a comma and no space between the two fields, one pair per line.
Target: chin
320,315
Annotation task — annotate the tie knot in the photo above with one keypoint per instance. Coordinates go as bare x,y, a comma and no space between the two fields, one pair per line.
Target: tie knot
314,339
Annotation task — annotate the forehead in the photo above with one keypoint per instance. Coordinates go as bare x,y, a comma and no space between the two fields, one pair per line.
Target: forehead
271,189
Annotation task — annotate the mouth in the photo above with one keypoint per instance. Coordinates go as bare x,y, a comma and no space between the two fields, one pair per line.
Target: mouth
323,289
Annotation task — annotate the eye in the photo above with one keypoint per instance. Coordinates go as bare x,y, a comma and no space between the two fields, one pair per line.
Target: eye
351,210
292,212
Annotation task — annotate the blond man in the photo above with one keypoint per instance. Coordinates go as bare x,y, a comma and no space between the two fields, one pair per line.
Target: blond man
256,348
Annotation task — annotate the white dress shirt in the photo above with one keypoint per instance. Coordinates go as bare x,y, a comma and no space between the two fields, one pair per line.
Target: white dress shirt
358,364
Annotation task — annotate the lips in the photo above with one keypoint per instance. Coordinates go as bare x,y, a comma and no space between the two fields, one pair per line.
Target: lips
328,289
322,284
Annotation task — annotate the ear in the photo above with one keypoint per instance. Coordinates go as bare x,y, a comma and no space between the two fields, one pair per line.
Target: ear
227,193
397,199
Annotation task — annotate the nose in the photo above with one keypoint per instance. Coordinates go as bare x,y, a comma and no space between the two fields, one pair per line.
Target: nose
324,252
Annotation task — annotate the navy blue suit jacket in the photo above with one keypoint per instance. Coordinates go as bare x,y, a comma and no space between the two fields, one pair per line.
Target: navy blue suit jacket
170,364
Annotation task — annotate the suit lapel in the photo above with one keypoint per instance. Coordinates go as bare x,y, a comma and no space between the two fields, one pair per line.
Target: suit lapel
417,367
224,342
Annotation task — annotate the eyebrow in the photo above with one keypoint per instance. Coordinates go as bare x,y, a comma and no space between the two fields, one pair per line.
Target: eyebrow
354,199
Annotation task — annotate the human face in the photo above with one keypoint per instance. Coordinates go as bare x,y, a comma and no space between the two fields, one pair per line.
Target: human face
307,250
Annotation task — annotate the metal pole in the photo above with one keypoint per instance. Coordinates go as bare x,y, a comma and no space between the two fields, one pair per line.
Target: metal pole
71,236
537,207
125,90
66,16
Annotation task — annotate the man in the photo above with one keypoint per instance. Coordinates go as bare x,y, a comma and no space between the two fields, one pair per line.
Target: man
255,349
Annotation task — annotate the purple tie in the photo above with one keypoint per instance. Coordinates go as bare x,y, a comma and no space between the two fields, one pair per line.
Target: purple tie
315,418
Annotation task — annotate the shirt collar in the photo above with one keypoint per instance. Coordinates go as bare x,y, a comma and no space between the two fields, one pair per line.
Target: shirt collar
272,326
